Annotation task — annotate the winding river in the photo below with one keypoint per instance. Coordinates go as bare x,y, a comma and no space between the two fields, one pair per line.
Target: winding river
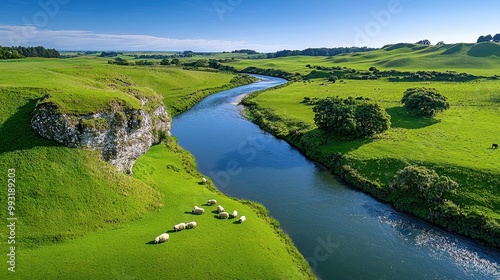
342,232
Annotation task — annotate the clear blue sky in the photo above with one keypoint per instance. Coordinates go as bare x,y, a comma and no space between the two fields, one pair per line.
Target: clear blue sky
225,25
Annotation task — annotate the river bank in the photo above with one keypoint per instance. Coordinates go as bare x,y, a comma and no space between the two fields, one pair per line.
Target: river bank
342,233
311,142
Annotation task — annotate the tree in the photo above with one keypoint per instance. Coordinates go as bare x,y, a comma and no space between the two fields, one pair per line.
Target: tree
165,61
496,38
440,43
486,38
175,61
374,70
425,102
120,61
423,182
371,119
424,42
350,117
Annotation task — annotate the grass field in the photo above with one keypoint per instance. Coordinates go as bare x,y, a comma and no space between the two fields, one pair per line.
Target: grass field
456,143
80,217
478,59
215,249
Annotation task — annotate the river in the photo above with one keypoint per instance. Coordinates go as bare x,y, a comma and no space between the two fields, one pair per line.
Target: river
342,232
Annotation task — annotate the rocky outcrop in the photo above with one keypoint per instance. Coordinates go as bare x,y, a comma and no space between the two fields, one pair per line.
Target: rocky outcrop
121,135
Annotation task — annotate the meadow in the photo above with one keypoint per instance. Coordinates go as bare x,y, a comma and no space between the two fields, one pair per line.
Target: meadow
477,59
80,217
456,143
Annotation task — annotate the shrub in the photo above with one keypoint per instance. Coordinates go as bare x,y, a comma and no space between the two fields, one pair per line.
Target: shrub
352,118
425,102
422,182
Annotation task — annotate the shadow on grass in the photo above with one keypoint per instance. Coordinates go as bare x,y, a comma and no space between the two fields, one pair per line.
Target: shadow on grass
333,143
400,118
16,133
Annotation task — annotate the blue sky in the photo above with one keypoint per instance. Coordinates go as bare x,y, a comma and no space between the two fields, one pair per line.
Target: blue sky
225,25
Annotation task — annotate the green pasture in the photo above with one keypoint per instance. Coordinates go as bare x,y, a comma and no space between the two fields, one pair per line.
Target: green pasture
478,59
78,217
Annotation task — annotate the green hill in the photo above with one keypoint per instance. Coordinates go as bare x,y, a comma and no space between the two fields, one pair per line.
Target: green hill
80,217
478,59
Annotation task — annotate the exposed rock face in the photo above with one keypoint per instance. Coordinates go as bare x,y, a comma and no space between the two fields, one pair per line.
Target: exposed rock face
122,136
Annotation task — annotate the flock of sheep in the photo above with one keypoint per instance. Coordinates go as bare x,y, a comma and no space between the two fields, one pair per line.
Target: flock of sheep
200,211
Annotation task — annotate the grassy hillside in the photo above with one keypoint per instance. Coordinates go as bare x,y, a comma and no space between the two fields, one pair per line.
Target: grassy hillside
88,84
220,249
78,215
478,59
456,143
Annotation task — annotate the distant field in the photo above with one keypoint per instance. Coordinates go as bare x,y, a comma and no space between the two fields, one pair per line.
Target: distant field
87,84
477,59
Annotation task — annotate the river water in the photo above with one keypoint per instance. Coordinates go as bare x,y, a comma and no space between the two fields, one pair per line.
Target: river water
342,232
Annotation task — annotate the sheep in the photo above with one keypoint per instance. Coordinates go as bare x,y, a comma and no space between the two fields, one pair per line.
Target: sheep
204,181
211,202
220,208
494,146
235,214
162,238
180,226
198,211
191,225
223,215
242,219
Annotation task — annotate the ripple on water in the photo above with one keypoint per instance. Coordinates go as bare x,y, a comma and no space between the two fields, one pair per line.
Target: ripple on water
441,246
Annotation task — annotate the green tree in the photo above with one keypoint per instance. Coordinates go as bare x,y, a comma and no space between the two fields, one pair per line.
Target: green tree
165,61
176,61
350,117
425,102
424,183
424,42
121,61
496,38
486,38
371,119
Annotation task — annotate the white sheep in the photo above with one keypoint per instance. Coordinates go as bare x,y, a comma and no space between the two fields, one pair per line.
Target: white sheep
204,181
223,215
198,211
242,219
235,214
211,202
191,225
180,226
162,238
220,208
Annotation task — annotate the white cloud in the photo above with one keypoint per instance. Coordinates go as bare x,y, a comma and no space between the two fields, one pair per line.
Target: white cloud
27,35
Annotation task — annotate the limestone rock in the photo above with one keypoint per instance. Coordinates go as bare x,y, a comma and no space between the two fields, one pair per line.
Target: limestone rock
121,135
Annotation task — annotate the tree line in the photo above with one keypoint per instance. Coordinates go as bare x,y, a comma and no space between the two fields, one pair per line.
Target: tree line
489,38
319,51
22,52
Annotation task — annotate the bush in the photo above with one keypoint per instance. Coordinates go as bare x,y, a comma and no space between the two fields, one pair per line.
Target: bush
352,118
425,102
419,181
